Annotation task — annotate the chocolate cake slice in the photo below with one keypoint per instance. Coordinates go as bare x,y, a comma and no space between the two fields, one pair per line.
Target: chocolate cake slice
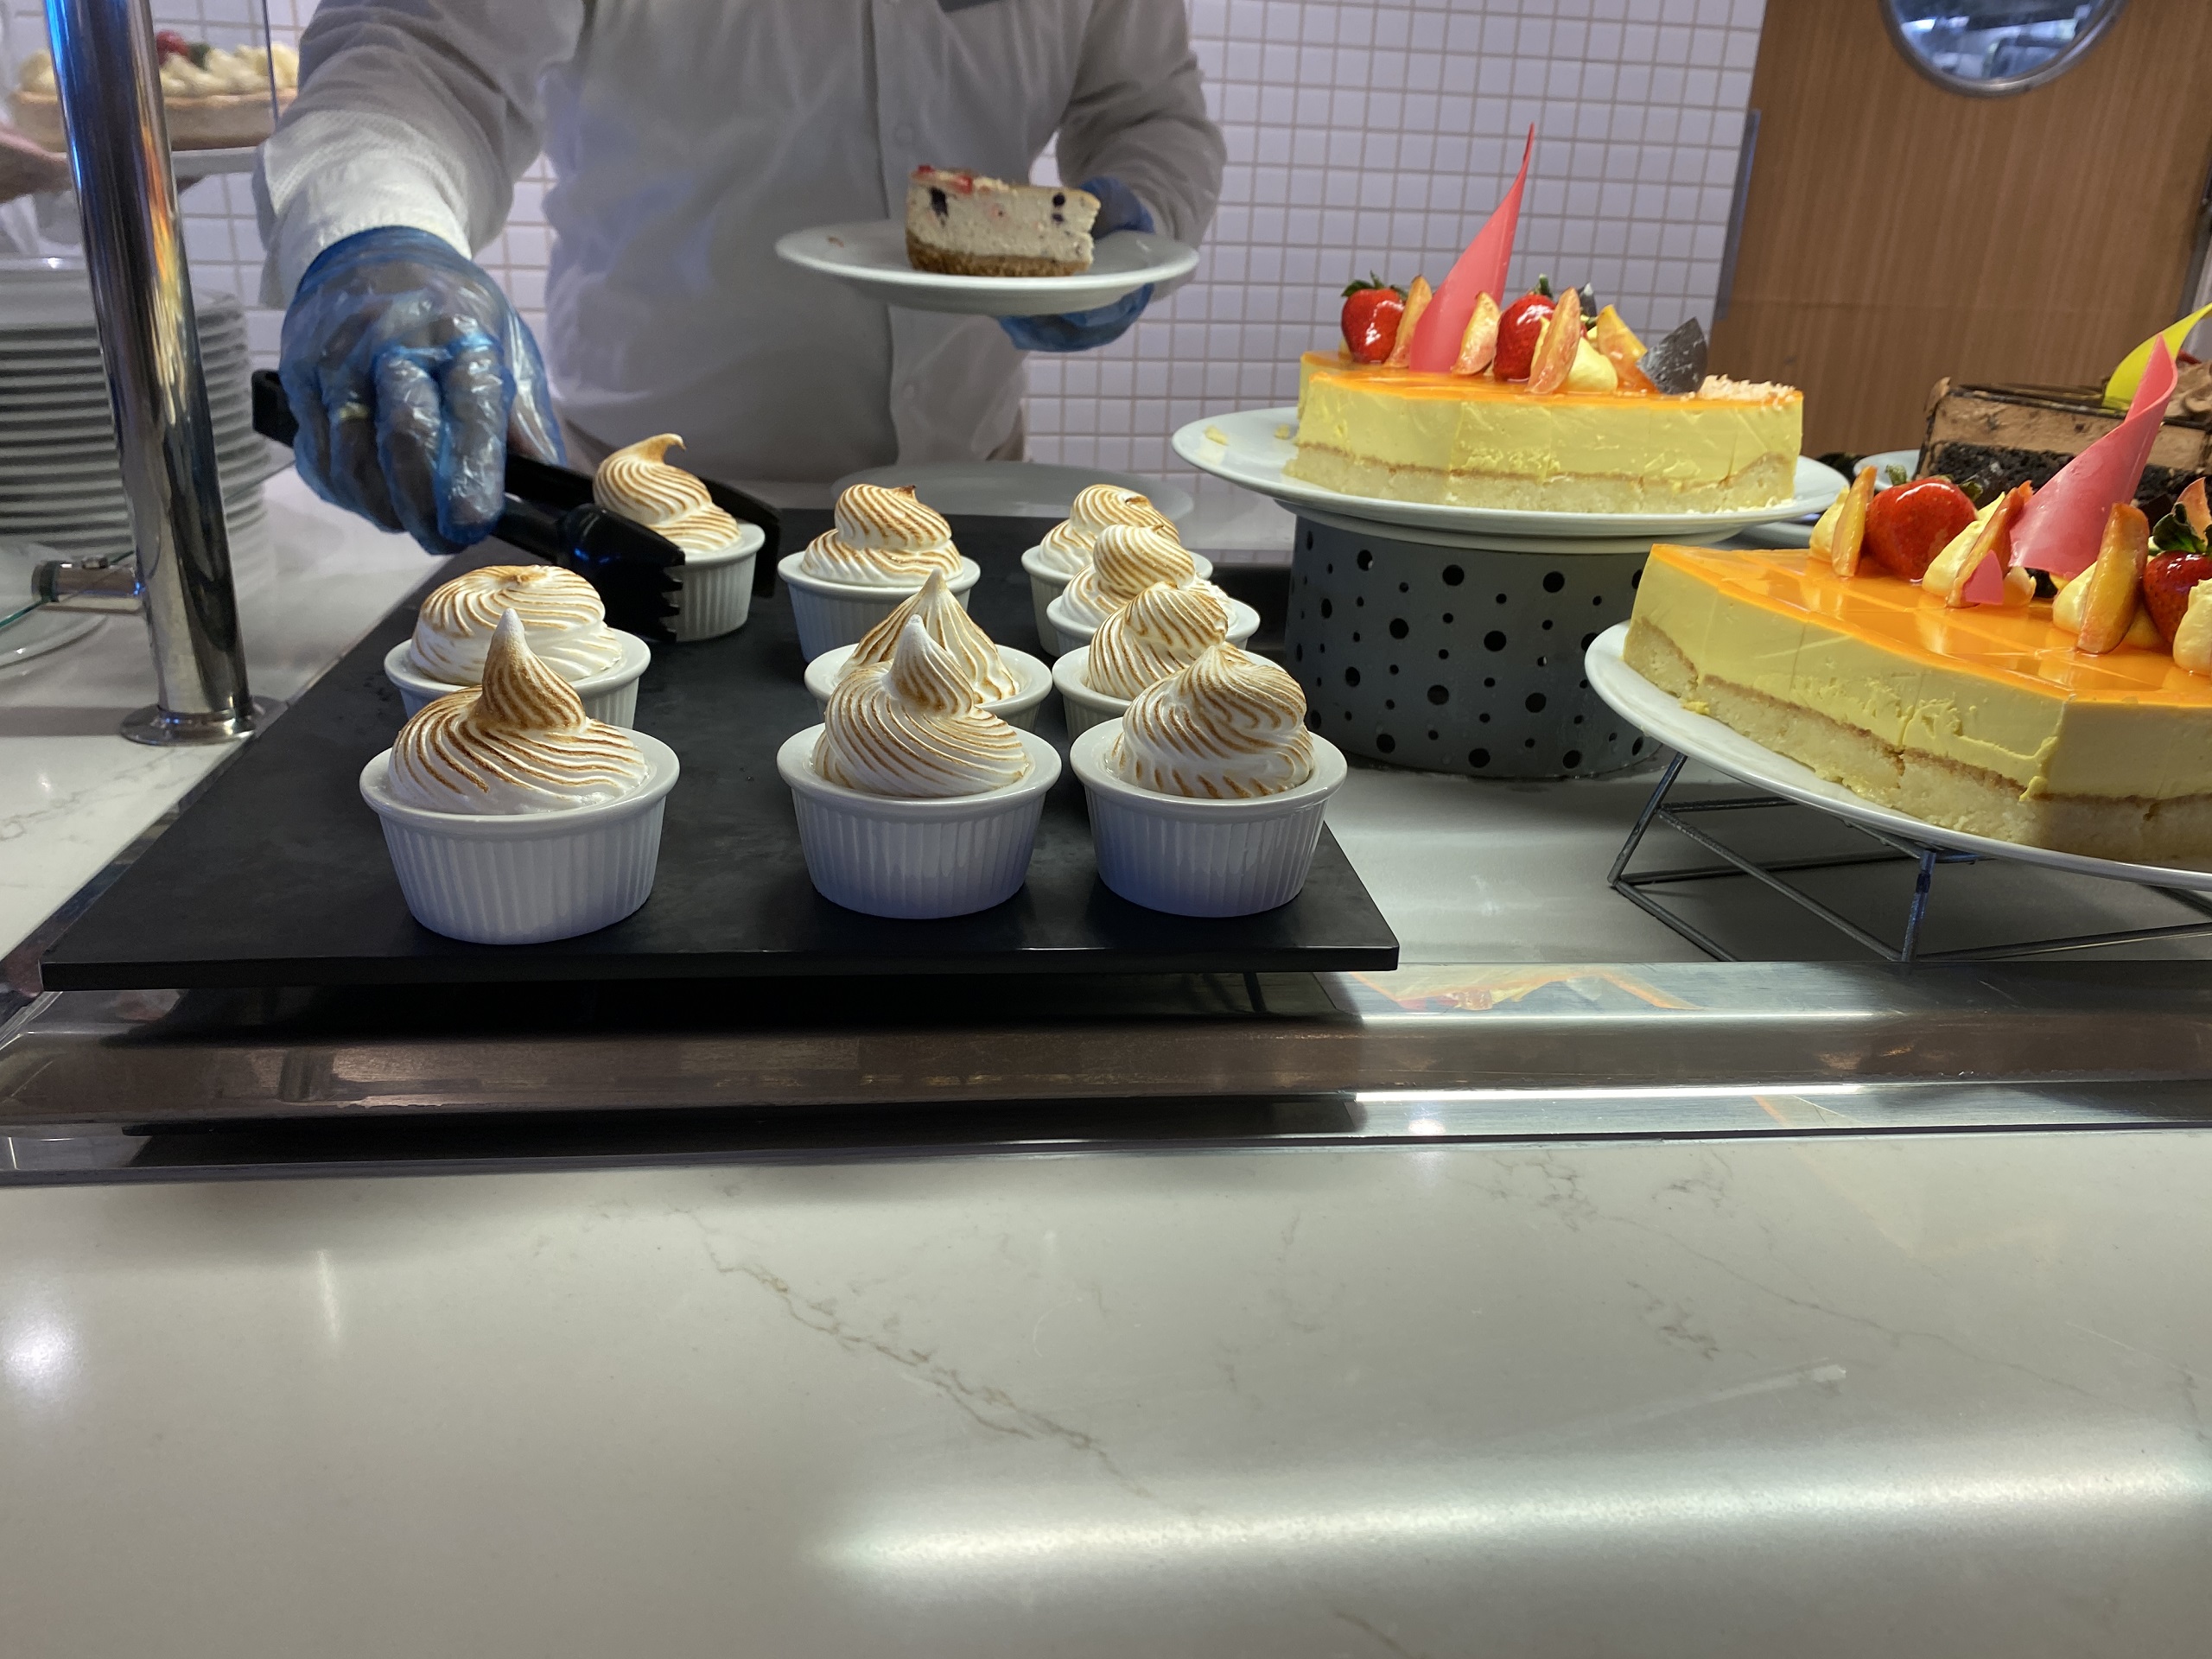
1999,437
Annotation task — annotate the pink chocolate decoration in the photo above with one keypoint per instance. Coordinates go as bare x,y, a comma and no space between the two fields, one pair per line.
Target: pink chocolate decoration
1985,581
1480,270
2061,527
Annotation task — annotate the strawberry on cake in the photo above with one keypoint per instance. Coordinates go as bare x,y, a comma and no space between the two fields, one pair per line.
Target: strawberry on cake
960,224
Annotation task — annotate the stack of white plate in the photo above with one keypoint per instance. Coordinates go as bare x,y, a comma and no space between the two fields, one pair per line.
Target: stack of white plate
61,485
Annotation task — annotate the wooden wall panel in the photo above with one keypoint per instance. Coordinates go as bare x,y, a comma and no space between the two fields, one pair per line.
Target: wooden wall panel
1896,232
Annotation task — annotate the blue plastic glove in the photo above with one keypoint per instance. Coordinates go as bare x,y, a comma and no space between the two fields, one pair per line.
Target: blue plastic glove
1079,331
410,375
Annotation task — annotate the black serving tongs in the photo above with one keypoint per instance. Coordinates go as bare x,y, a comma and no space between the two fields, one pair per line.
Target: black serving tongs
550,513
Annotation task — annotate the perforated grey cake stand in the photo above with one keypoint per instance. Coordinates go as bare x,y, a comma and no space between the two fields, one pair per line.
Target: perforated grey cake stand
1419,647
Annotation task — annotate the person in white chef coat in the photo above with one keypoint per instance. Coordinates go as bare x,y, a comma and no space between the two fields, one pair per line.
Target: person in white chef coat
685,137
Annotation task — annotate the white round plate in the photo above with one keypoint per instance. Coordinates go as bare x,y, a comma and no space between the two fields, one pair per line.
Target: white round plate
1789,532
191,164
56,295
1702,738
91,473
1798,532
43,631
871,255
18,431
1253,457
1016,489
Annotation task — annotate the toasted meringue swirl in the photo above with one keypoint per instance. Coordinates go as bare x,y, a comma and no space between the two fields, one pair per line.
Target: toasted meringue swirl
883,538
1159,631
560,611
644,488
1125,561
1066,547
949,627
519,742
912,728
1229,726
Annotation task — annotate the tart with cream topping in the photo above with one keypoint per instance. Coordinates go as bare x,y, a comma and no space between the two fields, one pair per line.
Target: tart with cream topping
215,98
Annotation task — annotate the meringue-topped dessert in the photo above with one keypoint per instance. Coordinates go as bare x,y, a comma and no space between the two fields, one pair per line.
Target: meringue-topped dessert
1066,547
883,538
951,628
1125,560
637,482
513,818
912,728
560,613
1229,726
519,741
1159,631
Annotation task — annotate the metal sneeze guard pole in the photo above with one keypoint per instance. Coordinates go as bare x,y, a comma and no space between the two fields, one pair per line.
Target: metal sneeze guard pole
105,68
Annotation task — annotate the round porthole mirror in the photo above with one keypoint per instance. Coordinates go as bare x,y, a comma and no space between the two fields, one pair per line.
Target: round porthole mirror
1987,48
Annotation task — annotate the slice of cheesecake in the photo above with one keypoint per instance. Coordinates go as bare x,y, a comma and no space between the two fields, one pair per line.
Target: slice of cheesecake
964,225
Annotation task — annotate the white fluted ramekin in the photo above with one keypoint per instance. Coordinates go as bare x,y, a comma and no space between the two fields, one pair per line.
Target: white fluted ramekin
1045,586
1201,857
1019,710
523,878
611,697
1083,707
715,590
833,613
915,859
1244,623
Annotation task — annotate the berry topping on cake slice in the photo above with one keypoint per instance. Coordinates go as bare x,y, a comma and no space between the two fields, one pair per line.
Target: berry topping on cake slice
961,223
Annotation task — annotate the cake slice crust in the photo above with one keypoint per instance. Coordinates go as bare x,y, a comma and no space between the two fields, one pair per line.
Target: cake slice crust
960,224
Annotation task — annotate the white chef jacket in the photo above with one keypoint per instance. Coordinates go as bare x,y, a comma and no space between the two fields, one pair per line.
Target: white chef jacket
685,137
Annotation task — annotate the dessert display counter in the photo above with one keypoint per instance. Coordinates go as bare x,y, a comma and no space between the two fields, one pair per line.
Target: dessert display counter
1676,1306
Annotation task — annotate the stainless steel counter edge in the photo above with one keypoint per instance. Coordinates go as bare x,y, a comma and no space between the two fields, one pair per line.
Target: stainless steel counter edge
1461,1049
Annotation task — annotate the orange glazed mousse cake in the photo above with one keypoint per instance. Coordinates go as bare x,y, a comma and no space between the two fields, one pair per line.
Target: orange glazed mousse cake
1992,718
1536,407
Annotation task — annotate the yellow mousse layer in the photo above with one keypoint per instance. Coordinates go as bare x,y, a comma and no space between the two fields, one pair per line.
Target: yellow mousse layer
1980,719
1468,441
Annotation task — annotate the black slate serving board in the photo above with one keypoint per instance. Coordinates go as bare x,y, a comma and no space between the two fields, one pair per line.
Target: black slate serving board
277,875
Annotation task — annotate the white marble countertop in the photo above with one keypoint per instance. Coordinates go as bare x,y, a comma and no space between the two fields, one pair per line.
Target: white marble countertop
73,794
1828,1396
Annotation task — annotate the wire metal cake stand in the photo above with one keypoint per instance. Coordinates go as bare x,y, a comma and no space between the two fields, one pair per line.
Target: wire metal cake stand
1894,837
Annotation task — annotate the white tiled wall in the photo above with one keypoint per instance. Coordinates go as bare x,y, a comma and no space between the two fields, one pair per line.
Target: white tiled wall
1364,134
1377,135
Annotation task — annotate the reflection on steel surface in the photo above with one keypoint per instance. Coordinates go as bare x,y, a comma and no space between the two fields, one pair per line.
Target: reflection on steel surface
1688,1048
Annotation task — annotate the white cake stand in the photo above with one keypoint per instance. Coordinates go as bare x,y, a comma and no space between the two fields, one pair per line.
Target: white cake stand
1250,448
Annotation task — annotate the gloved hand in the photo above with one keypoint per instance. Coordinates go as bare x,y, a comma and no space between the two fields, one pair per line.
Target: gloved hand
410,375
1079,331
